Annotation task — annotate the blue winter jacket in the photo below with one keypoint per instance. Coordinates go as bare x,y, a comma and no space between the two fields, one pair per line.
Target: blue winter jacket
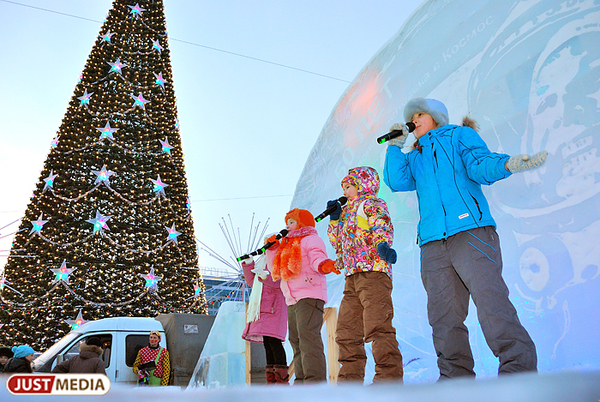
447,174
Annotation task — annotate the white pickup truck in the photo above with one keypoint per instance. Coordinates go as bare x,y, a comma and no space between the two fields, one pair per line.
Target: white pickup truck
184,336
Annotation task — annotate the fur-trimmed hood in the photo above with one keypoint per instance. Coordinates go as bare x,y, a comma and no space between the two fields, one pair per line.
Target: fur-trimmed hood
91,349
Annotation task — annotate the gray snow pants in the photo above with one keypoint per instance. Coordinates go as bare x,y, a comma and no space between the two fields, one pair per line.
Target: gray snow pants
470,263
305,320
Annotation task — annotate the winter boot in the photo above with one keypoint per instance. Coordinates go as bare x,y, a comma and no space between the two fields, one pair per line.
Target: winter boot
281,373
270,372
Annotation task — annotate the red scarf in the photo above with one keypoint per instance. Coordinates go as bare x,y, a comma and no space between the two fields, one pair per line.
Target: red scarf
288,260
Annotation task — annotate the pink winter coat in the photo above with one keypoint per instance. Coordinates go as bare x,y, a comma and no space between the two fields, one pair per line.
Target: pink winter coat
273,311
310,283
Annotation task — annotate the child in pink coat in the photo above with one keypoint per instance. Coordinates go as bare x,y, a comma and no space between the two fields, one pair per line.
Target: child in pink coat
301,262
271,326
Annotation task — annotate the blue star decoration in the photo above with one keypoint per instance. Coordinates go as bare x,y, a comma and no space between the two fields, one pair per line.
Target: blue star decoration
62,273
77,322
107,132
3,282
107,36
197,291
160,81
156,45
166,147
38,225
54,142
151,280
136,10
139,101
188,204
116,66
85,99
99,223
49,181
103,175
173,233
176,123
159,186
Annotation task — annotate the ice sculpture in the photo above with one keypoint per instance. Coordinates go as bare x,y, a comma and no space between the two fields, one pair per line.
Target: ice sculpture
529,72
222,361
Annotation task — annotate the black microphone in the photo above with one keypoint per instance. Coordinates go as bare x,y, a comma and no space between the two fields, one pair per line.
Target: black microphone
264,248
328,211
410,127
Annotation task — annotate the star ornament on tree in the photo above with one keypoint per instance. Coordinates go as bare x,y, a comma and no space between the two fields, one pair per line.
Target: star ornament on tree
54,142
159,186
173,233
103,175
107,36
107,132
156,45
85,99
151,280
3,282
197,291
166,147
49,181
62,273
160,81
116,66
77,322
136,10
38,225
99,223
139,101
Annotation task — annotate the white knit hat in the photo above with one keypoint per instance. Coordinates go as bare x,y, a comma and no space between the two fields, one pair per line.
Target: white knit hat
436,109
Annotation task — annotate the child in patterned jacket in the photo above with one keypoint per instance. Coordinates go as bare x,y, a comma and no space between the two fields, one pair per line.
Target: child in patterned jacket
361,234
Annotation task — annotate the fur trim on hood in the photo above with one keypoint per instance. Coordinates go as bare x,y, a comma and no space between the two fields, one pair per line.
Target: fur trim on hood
90,348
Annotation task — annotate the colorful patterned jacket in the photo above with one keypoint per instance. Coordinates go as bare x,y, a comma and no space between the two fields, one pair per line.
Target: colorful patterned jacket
364,223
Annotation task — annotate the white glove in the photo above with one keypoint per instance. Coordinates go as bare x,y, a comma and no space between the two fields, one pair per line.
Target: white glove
520,163
398,141
248,260
259,269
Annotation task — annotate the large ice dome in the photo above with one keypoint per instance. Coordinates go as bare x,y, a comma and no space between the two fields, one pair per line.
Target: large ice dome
529,72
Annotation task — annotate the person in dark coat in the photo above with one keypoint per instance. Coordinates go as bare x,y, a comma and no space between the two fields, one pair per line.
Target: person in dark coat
87,361
21,360
5,354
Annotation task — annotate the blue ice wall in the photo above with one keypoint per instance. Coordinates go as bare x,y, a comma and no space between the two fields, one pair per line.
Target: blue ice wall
529,73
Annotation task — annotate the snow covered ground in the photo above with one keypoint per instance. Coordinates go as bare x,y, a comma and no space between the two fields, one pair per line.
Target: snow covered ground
564,386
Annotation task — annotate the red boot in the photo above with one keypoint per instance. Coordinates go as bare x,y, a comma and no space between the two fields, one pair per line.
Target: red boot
270,372
281,373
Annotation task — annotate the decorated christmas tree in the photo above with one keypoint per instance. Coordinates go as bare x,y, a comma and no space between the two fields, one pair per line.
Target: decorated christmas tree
108,231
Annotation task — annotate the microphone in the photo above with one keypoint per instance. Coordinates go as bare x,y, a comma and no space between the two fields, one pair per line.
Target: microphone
408,127
328,211
261,250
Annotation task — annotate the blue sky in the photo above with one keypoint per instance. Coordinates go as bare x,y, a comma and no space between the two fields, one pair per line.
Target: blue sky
247,125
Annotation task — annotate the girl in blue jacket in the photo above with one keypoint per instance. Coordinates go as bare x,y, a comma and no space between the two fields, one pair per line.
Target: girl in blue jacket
460,249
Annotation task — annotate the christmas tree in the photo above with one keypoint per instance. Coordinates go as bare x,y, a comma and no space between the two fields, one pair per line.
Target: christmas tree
108,230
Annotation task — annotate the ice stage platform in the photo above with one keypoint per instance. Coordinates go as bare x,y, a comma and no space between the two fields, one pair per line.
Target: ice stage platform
547,387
